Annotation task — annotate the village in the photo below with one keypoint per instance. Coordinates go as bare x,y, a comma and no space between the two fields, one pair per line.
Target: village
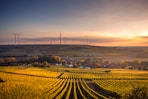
89,62
74,56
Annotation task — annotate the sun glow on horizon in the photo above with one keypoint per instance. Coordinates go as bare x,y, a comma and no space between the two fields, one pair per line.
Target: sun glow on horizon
100,22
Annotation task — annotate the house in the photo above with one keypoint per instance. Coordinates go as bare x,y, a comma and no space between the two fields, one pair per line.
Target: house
87,67
70,65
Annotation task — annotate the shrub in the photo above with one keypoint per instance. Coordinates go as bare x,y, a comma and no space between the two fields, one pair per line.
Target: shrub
137,93
1,80
10,59
46,64
107,71
36,64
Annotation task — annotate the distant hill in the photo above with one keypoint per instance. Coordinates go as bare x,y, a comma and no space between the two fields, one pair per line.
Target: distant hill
109,53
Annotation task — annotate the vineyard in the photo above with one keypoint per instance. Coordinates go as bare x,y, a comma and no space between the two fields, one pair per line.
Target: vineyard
68,83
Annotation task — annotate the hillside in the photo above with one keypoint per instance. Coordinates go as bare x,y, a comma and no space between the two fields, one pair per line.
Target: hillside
109,53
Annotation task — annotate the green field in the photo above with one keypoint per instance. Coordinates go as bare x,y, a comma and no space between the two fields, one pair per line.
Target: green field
68,83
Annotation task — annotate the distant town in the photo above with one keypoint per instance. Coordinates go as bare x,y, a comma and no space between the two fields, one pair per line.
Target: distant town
72,56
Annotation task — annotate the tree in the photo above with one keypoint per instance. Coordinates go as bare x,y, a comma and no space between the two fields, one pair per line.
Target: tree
34,58
36,64
46,64
56,59
75,65
2,61
82,61
137,61
108,62
97,64
11,61
121,62
64,62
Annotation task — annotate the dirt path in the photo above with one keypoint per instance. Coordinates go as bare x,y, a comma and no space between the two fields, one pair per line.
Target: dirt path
59,76
84,92
26,74
102,91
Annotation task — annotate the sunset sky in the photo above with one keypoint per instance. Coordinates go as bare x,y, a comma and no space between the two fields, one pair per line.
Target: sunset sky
94,22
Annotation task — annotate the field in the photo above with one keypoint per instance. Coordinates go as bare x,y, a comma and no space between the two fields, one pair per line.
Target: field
68,83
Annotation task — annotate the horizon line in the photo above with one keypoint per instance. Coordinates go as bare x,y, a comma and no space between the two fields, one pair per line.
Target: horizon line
66,45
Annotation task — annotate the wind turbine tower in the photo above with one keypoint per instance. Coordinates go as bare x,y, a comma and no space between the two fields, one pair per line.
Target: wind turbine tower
60,38
16,38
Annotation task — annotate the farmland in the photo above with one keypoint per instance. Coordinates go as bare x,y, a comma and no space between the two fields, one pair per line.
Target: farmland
60,82
74,49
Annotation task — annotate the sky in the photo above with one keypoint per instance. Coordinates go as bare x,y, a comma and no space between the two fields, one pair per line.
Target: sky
92,22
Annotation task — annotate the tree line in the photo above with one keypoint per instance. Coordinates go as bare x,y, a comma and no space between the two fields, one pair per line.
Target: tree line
92,62
34,61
